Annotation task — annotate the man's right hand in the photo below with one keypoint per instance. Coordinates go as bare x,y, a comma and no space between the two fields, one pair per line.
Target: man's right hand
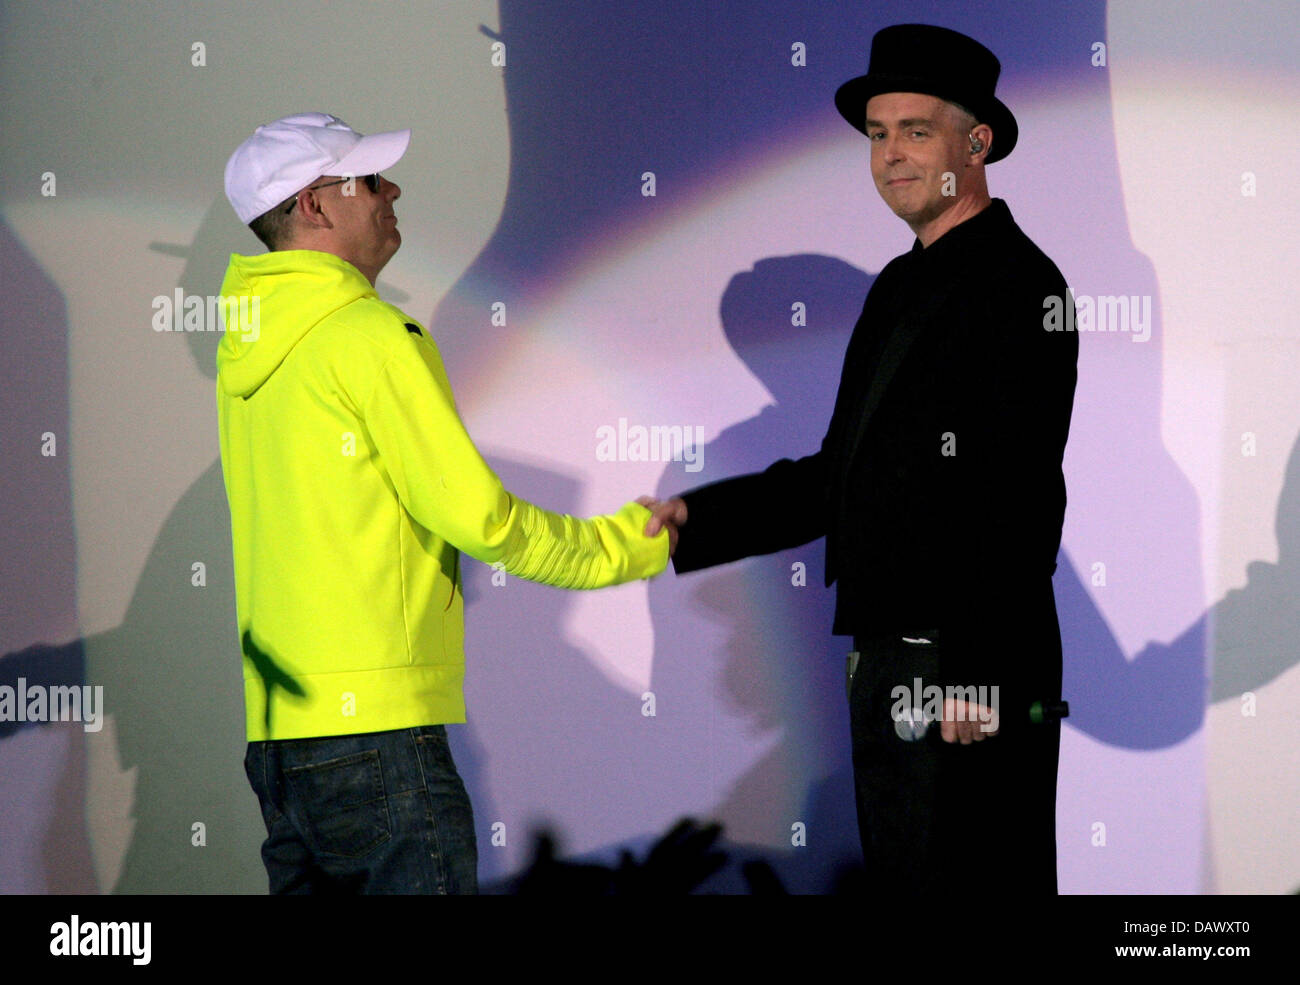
670,513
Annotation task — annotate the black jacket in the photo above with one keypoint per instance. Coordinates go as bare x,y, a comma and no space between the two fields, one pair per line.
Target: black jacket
939,483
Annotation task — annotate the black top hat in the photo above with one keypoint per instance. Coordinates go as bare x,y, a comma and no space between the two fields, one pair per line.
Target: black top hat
937,62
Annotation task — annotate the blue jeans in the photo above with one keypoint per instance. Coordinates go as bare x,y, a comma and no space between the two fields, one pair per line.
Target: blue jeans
380,812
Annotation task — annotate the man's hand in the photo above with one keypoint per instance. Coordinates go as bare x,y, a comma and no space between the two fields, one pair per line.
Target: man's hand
670,513
967,723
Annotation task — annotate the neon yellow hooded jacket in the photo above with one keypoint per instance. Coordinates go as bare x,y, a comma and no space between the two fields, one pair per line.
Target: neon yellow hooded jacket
352,484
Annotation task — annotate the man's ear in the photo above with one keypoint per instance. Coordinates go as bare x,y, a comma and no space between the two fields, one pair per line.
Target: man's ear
981,142
309,211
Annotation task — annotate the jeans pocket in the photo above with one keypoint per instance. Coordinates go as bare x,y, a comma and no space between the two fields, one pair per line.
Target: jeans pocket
343,803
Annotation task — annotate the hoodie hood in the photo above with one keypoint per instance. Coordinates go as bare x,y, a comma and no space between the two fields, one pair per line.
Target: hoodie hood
290,292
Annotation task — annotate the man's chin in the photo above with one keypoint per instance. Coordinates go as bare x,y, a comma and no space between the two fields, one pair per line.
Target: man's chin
898,202
903,212
389,255
914,216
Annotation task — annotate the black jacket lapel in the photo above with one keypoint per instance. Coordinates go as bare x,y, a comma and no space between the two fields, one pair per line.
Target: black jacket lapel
900,340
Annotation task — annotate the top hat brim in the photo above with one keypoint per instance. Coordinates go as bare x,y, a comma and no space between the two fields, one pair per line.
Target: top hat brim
851,100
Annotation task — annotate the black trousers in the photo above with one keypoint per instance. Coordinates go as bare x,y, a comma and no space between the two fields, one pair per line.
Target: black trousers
977,819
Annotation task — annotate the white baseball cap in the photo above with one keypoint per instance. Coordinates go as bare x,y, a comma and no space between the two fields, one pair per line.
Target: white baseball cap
286,156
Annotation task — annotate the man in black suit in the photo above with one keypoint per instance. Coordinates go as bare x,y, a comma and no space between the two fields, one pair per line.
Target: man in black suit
939,489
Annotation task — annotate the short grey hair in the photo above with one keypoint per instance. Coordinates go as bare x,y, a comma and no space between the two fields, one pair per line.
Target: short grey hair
274,226
965,119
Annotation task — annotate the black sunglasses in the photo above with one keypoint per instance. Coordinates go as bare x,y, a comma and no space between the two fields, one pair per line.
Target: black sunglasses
371,180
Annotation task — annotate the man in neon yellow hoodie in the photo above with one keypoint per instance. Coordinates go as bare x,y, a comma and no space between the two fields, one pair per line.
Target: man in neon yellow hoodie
353,486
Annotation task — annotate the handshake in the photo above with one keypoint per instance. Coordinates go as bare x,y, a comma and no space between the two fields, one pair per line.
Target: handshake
670,513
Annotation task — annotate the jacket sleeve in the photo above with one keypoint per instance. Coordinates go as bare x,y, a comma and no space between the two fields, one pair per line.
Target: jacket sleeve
761,513
1019,505
1013,515
444,483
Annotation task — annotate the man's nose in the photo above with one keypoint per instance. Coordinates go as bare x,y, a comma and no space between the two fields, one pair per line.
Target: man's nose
393,189
892,150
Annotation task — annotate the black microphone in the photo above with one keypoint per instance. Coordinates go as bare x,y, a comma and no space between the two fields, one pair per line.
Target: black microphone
1048,711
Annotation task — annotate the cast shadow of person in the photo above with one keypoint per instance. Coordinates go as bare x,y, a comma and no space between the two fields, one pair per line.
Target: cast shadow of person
1254,630
1160,696
173,809
788,320
527,679
174,666
44,838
